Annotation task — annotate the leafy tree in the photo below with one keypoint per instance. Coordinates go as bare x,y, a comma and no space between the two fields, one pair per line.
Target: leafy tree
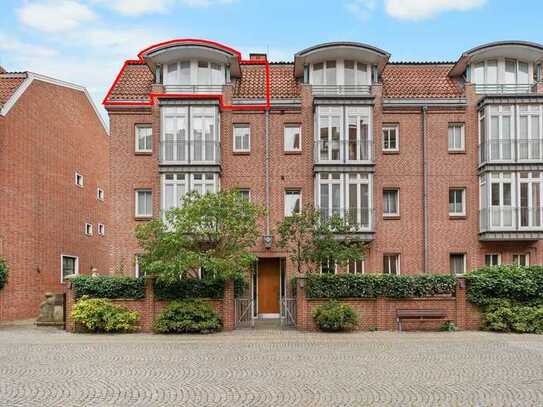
311,239
211,231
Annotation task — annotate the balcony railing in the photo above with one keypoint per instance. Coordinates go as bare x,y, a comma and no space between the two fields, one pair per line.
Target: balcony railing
511,150
194,89
496,219
343,151
504,88
190,152
360,219
341,90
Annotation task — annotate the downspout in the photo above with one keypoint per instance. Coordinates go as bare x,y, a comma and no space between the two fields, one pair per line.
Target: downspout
424,110
267,154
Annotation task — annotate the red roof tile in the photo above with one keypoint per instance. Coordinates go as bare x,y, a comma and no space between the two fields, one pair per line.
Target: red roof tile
419,81
252,84
8,85
134,83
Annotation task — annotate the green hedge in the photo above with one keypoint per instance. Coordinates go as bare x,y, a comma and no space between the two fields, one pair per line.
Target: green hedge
188,288
3,272
188,316
377,285
101,315
518,284
506,316
108,287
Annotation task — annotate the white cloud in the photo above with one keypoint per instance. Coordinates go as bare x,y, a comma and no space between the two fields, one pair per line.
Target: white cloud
422,9
136,7
205,3
55,15
125,43
361,8
13,46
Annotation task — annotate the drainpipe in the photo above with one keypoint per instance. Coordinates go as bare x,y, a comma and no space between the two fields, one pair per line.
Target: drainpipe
424,110
267,169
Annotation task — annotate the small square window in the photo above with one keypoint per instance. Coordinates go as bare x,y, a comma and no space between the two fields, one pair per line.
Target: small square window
293,137
457,263
522,259
100,195
79,180
101,229
88,229
293,201
391,264
328,266
144,203
242,138
457,202
456,137
493,259
391,138
144,138
356,266
245,193
391,202
69,266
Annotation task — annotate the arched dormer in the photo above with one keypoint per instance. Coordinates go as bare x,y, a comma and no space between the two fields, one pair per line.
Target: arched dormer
501,67
192,65
340,67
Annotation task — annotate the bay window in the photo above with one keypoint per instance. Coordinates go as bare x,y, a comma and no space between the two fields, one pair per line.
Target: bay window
176,185
340,72
502,75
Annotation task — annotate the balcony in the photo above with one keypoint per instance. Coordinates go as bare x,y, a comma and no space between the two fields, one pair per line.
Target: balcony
360,220
511,150
340,90
194,89
511,223
505,88
206,152
343,152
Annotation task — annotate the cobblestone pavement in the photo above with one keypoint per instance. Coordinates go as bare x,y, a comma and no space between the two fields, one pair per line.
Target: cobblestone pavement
46,367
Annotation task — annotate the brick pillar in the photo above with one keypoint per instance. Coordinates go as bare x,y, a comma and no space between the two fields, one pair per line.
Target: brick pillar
461,303
302,323
148,315
69,302
228,306
381,314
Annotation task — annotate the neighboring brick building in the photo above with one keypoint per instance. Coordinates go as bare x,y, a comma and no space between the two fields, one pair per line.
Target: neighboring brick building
51,137
439,164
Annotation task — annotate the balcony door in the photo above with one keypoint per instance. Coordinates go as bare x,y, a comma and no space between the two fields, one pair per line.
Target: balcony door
501,201
358,142
329,138
330,194
501,133
358,200
204,140
530,199
530,137
174,143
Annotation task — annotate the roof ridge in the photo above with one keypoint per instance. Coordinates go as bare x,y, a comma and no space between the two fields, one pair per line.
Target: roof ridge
421,63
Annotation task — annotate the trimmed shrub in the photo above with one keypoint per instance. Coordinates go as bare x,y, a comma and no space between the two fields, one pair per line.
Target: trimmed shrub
334,317
507,317
187,288
101,315
377,285
191,316
108,287
3,272
519,284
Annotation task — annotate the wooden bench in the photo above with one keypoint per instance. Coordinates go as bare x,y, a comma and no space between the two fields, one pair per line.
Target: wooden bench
422,315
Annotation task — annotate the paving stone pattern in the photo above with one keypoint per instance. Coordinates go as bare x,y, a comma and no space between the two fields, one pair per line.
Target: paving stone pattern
264,367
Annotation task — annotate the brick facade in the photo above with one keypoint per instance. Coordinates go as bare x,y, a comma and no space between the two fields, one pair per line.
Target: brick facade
49,134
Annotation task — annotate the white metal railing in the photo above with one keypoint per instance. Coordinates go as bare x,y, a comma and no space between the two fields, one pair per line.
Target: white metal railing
510,219
359,219
340,90
194,89
504,88
510,150
185,152
343,151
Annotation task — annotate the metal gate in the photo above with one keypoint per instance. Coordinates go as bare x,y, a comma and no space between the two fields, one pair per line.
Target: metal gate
244,313
288,312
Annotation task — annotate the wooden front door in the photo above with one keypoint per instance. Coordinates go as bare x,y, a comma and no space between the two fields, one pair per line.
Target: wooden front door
268,286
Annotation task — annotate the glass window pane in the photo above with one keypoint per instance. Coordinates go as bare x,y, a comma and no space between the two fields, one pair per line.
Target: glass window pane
330,72
349,73
510,71
184,73
317,74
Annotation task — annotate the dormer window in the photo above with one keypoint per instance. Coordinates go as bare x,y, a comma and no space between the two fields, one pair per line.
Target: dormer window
194,72
341,72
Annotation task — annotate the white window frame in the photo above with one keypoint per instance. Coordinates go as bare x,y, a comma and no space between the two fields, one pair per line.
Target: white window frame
246,128
100,194
453,126
137,128
206,115
328,262
76,271
356,271
516,262
464,263
390,214
328,179
138,214
79,180
247,190
88,229
291,191
385,133
398,262
285,133
463,212
101,229
499,257
205,183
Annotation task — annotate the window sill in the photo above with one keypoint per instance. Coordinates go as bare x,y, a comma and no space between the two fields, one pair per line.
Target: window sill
456,151
457,217
241,152
140,218
391,217
143,153
293,152
391,152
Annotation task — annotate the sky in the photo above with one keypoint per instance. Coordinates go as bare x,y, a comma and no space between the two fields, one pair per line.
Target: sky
87,41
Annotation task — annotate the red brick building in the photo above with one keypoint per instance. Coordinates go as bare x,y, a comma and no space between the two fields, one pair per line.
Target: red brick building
54,184
439,164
